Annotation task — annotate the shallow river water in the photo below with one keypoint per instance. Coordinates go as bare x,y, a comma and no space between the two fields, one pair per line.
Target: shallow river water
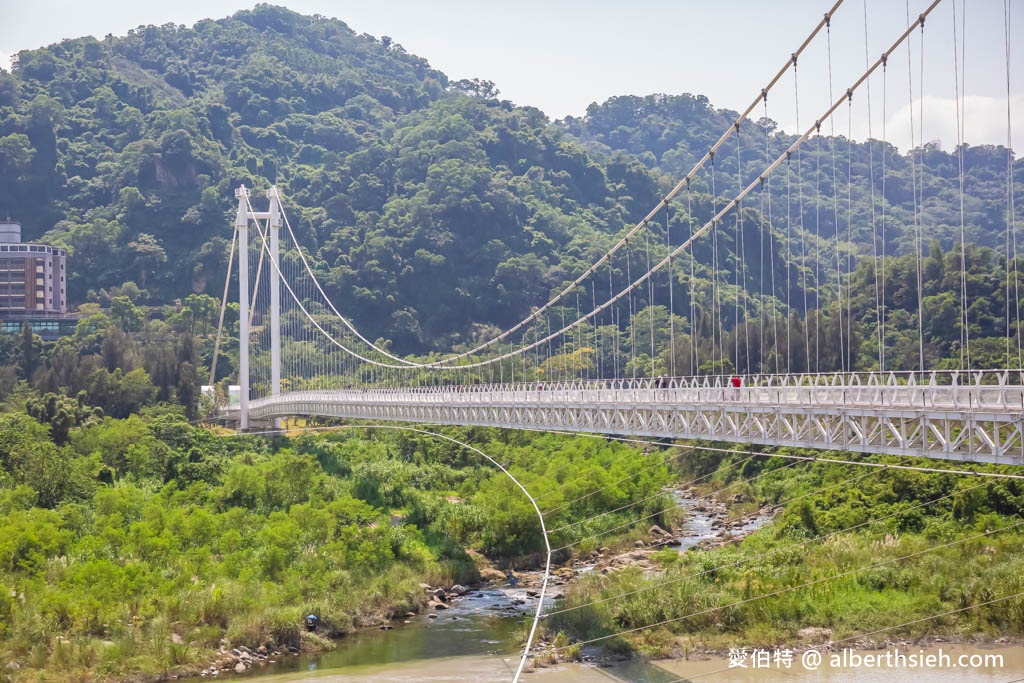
479,639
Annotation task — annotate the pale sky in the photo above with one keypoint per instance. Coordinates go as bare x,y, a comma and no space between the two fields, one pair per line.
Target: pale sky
562,55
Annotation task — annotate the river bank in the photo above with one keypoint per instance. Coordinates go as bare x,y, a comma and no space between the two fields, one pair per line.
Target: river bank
479,669
499,669
477,636
491,612
840,563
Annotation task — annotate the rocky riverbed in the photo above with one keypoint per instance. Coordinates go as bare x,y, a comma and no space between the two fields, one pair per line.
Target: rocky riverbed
240,659
484,619
707,524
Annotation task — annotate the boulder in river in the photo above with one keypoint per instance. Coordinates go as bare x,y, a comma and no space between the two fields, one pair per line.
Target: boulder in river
492,575
657,531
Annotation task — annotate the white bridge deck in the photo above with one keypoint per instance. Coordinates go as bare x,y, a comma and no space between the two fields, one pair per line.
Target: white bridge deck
968,416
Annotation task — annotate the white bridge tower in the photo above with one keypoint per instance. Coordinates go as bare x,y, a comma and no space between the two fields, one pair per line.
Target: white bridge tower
244,215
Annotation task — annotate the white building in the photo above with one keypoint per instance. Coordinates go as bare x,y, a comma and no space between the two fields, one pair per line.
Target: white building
33,277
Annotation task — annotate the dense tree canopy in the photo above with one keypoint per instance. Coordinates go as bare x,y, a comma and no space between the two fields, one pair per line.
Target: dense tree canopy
430,209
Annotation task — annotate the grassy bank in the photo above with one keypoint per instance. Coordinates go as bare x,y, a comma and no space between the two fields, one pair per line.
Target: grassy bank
141,546
756,592
141,580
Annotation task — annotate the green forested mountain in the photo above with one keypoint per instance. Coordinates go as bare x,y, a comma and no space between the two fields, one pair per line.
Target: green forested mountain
132,541
428,203
126,150
431,208
670,133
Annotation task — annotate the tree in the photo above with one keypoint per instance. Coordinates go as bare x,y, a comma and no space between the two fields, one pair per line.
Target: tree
188,389
9,89
62,413
148,254
15,153
33,460
477,88
204,309
124,313
31,347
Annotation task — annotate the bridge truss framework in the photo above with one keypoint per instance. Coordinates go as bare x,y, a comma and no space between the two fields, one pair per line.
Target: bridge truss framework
975,416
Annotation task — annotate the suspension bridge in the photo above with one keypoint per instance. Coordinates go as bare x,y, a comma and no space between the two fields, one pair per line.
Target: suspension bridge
729,313
765,333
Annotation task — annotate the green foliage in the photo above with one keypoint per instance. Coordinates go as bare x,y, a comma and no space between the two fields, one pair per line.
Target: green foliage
437,211
141,528
149,129
842,521
429,208
62,413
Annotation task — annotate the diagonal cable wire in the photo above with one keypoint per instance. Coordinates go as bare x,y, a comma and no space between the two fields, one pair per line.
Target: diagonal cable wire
679,486
668,509
538,342
714,494
837,461
633,475
657,495
606,258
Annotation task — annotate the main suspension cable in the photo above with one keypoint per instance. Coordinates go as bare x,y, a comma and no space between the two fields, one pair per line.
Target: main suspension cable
556,300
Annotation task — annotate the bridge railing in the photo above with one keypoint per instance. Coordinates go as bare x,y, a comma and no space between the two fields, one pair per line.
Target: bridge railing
953,391
836,379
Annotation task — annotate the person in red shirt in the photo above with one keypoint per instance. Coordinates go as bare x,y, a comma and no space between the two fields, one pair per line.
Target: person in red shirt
736,383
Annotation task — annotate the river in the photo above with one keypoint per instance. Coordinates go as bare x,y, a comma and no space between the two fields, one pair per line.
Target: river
479,639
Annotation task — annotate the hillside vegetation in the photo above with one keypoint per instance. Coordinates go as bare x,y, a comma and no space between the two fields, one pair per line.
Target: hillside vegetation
132,541
135,546
434,210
